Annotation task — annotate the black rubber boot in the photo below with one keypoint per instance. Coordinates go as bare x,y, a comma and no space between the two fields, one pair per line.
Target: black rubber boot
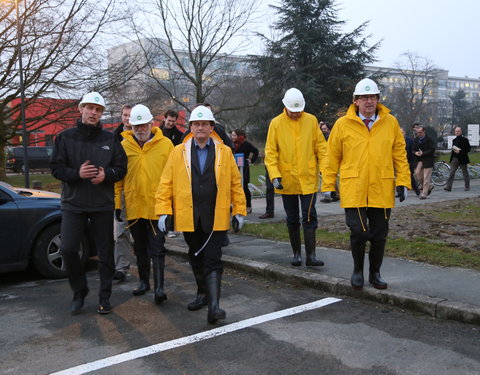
158,278
296,243
143,264
309,238
375,257
215,313
201,299
358,254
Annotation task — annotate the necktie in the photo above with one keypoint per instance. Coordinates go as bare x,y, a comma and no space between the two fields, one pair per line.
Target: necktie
367,122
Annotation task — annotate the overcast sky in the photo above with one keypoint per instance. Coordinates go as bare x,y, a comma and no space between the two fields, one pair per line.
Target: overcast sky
447,32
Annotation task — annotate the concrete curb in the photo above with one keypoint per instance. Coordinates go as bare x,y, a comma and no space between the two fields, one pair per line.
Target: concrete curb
436,307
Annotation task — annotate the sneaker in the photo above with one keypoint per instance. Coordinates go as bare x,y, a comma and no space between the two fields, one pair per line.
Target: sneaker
266,215
120,276
104,308
423,197
447,189
171,234
467,189
430,189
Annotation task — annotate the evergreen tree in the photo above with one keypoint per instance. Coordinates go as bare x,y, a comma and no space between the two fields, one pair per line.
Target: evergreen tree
313,55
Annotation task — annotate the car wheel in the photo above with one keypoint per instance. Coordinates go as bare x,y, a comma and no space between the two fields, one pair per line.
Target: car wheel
47,256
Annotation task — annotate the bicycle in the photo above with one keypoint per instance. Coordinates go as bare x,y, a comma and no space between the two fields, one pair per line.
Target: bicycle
440,173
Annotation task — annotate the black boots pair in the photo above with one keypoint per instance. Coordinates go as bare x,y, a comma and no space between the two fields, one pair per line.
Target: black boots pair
143,264
296,243
208,293
375,257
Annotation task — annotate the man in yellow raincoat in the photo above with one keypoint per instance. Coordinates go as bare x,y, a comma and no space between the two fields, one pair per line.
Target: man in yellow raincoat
366,149
147,151
199,184
294,150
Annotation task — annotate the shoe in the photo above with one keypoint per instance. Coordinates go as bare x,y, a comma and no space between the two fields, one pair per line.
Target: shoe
335,198
78,301
266,215
249,210
198,303
467,189
171,234
142,288
423,197
104,308
430,189
376,280
326,200
120,276
447,189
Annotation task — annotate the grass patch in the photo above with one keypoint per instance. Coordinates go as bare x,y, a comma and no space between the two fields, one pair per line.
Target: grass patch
417,248
48,182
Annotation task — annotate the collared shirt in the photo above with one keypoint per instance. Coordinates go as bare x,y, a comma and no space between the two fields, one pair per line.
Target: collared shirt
202,153
372,119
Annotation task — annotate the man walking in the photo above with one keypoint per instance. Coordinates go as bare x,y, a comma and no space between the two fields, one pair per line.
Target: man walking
169,127
88,160
199,184
366,149
294,149
424,151
121,233
147,150
459,158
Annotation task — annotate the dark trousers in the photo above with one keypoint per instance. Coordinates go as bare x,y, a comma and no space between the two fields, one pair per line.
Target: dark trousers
453,168
73,227
210,258
270,194
246,190
307,204
148,240
369,224
413,179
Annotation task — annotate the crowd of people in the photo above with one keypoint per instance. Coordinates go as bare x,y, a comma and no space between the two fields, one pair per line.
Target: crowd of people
142,182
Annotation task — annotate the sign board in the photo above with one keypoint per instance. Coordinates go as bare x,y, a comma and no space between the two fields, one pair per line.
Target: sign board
240,160
450,139
474,134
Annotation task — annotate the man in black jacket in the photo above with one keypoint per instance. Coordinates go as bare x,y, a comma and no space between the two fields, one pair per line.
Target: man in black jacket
424,150
169,128
459,158
88,160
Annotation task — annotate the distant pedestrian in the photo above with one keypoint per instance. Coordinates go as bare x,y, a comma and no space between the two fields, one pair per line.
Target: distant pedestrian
269,197
459,158
250,155
325,129
367,150
294,151
88,160
411,161
169,127
424,150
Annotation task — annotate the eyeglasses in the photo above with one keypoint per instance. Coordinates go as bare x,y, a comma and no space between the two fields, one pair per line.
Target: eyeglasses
365,98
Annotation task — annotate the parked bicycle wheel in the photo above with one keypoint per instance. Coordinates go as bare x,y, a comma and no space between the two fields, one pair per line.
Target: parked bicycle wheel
440,173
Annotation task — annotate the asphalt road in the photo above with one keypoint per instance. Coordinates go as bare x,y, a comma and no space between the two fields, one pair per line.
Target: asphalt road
38,335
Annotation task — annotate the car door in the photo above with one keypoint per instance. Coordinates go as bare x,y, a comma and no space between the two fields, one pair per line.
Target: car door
11,252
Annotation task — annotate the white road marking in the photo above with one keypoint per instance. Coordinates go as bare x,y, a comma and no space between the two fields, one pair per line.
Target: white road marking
153,349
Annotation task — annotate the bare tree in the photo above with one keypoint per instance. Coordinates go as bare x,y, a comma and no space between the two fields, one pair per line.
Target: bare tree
61,58
411,99
190,60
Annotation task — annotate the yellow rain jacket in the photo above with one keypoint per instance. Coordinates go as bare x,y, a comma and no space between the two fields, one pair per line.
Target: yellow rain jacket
370,163
174,194
295,151
144,169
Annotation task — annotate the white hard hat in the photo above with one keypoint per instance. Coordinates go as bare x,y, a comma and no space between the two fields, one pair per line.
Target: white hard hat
293,100
93,98
201,113
139,115
366,87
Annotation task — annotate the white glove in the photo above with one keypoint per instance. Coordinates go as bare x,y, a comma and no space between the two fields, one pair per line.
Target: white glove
327,194
241,221
162,223
277,183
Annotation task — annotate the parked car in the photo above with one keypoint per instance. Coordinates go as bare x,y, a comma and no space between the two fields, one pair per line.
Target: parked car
30,232
38,158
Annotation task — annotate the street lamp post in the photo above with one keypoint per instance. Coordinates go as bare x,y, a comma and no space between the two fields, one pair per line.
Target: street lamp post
22,98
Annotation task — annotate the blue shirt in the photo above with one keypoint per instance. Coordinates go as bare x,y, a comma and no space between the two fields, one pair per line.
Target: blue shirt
202,154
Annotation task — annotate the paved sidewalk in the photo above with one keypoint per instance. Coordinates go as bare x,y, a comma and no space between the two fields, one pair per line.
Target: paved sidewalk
447,293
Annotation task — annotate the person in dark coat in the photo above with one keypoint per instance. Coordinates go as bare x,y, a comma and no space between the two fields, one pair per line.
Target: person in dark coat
250,152
424,150
88,160
411,161
169,128
459,158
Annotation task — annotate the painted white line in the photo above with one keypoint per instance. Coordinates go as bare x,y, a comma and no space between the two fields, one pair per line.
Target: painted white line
149,350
